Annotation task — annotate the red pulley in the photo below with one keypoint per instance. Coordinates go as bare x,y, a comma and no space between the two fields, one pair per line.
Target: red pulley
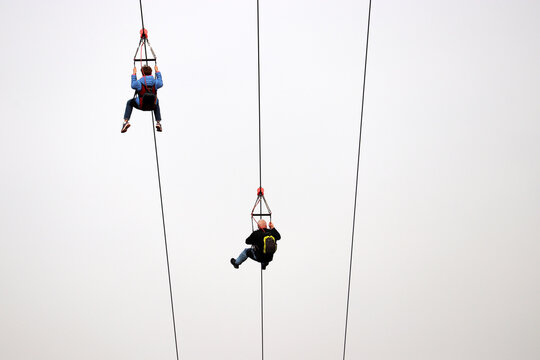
144,34
260,191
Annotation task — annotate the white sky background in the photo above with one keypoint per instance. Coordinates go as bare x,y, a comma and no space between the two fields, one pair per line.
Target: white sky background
446,254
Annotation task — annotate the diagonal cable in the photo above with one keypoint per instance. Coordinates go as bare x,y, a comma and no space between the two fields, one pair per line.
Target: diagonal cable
162,211
356,182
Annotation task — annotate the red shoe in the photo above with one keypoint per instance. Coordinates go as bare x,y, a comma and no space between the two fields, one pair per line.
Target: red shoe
125,127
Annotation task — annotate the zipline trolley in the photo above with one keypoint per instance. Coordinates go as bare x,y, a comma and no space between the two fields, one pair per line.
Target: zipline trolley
260,201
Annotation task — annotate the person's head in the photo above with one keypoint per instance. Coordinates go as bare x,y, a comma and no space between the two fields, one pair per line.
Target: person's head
262,224
146,70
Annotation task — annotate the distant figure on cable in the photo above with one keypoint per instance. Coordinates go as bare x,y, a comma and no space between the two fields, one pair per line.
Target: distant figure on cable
263,243
146,97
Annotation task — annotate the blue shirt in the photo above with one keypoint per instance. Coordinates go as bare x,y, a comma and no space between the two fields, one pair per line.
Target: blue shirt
149,80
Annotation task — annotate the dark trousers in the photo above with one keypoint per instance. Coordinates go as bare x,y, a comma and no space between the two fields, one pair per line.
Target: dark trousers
133,104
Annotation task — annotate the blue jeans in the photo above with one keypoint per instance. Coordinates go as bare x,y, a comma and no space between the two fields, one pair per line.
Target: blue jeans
247,253
133,104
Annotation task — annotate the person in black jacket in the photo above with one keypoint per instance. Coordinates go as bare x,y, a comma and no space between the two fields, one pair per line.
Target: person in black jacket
258,251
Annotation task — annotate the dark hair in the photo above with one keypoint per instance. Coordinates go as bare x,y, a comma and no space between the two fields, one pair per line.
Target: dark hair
146,70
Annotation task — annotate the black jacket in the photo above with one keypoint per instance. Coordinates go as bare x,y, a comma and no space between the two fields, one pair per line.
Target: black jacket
256,239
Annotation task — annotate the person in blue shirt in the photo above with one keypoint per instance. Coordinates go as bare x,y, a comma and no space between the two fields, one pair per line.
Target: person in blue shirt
149,81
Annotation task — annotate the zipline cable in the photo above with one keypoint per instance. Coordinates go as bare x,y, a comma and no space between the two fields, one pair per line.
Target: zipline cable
260,167
162,211
166,246
259,97
142,20
356,186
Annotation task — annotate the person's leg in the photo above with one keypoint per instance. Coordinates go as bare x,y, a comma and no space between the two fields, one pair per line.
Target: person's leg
251,255
244,255
157,113
265,263
127,114
129,108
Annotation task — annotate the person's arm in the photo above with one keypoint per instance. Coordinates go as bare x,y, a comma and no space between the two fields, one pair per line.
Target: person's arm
159,80
275,234
251,239
135,84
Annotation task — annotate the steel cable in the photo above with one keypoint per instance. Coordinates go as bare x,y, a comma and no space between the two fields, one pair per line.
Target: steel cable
356,182
161,202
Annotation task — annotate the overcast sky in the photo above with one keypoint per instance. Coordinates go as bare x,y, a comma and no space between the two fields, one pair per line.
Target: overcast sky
447,251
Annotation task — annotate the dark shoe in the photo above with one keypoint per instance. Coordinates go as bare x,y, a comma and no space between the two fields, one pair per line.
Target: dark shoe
158,127
263,266
233,262
125,127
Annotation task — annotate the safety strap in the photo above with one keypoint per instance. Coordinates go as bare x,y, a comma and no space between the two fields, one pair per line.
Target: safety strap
260,197
144,40
140,47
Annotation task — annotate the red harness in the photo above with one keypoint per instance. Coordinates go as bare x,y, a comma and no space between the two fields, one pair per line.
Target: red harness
145,89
